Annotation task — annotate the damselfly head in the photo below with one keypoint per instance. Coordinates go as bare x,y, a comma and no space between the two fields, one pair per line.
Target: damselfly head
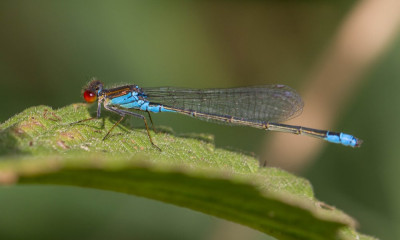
92,90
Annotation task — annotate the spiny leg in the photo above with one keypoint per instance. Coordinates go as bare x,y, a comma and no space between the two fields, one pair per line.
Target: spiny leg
108,133
151,120
148,134
122,113
92,118
84,120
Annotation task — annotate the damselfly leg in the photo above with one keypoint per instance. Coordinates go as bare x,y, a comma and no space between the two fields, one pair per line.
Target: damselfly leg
123,113
151,121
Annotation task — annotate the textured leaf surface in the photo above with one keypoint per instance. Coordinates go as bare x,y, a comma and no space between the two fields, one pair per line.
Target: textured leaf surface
38,146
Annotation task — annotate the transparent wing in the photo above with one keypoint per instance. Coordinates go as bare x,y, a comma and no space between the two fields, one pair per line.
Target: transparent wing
270,103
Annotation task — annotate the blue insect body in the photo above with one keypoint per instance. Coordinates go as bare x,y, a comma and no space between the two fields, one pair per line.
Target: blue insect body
260,107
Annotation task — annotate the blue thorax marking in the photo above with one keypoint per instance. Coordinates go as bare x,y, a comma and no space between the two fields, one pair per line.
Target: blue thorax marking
127,98
135,104
133,100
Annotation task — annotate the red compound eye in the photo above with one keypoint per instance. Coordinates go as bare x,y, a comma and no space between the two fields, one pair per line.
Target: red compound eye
89,96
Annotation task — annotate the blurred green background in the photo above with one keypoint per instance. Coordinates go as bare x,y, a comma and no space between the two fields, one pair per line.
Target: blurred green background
50,49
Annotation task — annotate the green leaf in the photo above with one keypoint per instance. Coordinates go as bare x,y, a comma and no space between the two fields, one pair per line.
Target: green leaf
39,146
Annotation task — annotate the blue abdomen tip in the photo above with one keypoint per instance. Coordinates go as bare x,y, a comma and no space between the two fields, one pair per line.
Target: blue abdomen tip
344,139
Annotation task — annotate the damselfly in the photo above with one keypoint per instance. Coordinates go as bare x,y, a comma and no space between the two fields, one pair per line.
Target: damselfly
259,107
